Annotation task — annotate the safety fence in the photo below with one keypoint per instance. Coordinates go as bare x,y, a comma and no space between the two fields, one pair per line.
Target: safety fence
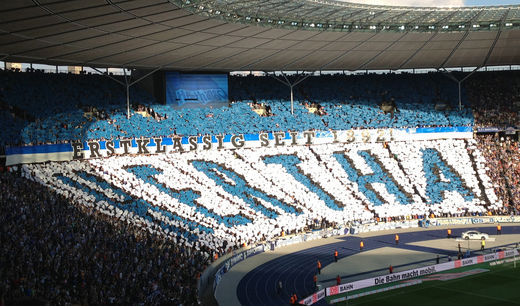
406,275
354,229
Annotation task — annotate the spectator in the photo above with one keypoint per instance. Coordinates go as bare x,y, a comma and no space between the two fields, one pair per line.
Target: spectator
71,254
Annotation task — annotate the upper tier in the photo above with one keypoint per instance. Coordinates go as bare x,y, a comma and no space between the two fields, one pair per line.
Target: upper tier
60,107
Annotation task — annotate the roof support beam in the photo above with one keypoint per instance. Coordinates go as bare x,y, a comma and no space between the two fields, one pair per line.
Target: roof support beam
127,96
461,40
145,76
345,53
454,49
263,4
437,29
459,82
314,51
70,43
127,84
366,63
153,43
373,16
180,60
270,55
54,44
393,18
43,15
497,37
109,76
289,84
232,55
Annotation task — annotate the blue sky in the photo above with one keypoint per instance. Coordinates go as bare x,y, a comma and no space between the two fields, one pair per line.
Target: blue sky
452,3
490,2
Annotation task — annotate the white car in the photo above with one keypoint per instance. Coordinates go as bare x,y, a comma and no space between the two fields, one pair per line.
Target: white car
474,235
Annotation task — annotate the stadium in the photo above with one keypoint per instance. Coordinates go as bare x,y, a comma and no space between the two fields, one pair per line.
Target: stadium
305,152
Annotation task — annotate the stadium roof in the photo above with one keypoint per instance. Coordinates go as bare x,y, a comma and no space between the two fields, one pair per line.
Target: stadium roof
228,35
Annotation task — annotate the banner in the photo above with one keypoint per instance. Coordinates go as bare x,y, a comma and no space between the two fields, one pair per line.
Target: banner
488,130
382,226
288,241
315,297
235,260
383,289
196,89
510,130
472,220
413,273
161,145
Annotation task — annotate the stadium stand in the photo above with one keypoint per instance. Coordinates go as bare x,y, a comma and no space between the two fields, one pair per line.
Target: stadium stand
140,229
495,98
69,254
210,204
67,107
502,157
62,107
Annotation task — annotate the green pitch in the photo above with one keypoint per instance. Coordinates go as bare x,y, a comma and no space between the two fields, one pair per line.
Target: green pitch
499,286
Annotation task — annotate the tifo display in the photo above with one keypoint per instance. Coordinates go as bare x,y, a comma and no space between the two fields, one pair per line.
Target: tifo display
241,197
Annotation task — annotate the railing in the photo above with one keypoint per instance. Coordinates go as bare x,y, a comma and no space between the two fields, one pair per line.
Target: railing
406,275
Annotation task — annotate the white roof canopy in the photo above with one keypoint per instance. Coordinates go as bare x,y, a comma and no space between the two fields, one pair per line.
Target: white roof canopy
225,35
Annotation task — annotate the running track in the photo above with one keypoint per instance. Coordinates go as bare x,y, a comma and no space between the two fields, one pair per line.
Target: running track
296,270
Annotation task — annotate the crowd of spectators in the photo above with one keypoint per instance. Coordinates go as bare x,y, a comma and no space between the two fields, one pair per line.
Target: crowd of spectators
495,98
261,109
503,167
90,111
54,102
65,253
68,245
315,108
58,107
149,111
63,241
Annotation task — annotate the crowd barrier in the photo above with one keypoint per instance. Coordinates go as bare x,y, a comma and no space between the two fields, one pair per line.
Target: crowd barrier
496,129
271,246
308,236
405,275
369,227
289,240
381,226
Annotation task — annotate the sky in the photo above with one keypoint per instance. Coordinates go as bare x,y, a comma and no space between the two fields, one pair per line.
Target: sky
450,3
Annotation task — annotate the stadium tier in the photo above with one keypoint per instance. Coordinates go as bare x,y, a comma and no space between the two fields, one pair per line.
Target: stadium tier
65,107
376,165
35,111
